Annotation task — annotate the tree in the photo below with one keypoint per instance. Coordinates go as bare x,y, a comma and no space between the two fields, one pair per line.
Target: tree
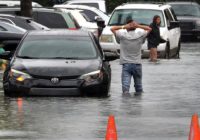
26,8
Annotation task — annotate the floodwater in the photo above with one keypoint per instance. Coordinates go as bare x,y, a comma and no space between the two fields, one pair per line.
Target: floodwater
163,112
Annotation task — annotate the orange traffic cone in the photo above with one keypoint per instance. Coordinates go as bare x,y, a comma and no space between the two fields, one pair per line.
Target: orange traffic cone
111,133
194,128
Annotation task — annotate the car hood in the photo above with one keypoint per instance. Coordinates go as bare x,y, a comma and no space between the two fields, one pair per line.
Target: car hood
188,18
107,31
56,68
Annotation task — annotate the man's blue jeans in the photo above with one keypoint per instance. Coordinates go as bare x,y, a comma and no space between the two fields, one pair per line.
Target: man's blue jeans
129,71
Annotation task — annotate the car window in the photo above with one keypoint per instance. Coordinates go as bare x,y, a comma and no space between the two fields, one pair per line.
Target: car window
90,14
186,10
142,16
49,47
6,20
2,28
11,28
70,20
168,17
36,25
174,15
22,23
87,4
48,19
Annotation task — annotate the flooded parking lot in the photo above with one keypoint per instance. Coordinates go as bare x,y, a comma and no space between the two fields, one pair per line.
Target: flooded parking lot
163,112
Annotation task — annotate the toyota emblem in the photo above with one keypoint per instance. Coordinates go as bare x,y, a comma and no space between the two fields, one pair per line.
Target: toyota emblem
54,80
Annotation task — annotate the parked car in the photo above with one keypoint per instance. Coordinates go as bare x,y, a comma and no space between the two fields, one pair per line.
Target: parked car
23,22
76,66
12,3
91,12
188,13
83,21
6,27
47,17
99,4
143,14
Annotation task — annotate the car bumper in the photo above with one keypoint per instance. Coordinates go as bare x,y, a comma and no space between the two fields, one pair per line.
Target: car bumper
113,47
43,87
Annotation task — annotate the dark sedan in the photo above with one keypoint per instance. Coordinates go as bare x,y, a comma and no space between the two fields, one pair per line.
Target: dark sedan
188,13
56,63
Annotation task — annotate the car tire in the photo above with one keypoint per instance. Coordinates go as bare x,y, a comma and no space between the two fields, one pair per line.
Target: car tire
167,51
178,50
7,93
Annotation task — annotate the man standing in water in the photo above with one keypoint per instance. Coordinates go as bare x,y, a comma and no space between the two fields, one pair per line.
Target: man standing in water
131,38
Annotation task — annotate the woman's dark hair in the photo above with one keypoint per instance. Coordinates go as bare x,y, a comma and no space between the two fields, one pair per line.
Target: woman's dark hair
155,18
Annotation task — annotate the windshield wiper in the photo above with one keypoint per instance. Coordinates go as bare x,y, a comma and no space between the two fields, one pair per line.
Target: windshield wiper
65,58
27,57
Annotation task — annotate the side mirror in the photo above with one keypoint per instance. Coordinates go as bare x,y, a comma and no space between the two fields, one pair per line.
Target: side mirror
100,22
6,55
174,24
110,56
10,45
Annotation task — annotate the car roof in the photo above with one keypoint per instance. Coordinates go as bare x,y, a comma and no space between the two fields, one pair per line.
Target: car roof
75,6
143,6
183,2
34,9
59,32
14,16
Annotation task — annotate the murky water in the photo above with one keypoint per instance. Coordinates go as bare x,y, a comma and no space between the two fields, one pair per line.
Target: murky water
163,112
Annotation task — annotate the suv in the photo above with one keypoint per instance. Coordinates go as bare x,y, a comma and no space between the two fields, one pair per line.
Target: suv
91,12
188,13
143,14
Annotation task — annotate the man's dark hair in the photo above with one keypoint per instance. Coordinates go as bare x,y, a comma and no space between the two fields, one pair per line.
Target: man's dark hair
129,19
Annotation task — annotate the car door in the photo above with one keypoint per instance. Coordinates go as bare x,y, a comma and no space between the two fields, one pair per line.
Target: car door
177,29
171,30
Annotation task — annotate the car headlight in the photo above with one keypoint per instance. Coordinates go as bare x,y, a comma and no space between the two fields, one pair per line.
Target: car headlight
106,38
18,75
92,76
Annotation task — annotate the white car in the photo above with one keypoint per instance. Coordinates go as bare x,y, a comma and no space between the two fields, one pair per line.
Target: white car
143,14
83,21
6,27
91,12
11,3
99,4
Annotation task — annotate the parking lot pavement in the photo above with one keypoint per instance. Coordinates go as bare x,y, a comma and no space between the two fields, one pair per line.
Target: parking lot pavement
163,112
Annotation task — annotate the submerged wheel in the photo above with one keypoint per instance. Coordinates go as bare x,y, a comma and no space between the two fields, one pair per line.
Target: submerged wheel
167,51
178,50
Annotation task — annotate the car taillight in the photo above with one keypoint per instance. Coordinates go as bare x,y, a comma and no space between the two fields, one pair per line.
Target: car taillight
72,29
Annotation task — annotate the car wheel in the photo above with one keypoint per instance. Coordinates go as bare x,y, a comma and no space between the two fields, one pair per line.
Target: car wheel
167,51
7,93
178,50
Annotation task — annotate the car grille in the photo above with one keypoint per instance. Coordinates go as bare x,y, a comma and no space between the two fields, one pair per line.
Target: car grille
187,25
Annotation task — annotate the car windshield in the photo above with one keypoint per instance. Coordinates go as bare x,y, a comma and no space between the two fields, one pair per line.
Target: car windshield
142,16
186,10
53,47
